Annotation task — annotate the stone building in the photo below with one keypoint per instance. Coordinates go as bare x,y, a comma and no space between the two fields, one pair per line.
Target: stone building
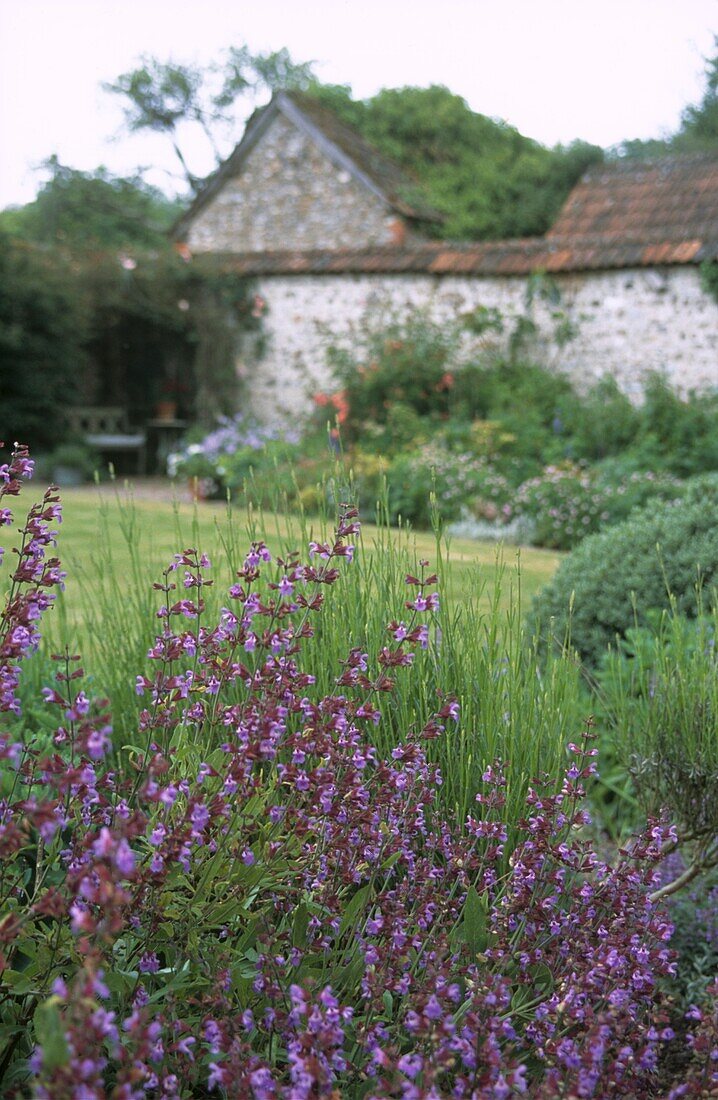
300,179
334,234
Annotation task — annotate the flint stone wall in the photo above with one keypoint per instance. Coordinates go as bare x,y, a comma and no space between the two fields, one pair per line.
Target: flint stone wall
628,323
314,203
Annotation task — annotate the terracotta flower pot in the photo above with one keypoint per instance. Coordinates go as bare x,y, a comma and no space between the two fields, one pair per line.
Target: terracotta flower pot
166,410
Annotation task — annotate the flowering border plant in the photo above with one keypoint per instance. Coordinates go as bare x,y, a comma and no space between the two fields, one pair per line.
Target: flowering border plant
248,901
224,456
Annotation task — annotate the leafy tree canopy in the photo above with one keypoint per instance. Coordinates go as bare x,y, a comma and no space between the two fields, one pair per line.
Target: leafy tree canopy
165,96
698,131
43,324
487,178
91,210
699,123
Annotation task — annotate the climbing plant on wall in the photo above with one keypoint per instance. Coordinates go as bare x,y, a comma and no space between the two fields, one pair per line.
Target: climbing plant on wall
709,277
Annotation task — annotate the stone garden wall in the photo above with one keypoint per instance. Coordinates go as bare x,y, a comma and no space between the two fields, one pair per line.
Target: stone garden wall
627,323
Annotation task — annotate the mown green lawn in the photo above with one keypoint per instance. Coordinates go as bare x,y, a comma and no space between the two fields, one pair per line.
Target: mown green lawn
112,531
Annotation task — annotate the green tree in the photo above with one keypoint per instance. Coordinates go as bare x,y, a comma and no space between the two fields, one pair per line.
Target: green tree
699,123
487,178
163,96
698,131
92,210
43,324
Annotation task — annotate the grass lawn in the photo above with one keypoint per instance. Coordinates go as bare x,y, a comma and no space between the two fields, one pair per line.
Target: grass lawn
137,538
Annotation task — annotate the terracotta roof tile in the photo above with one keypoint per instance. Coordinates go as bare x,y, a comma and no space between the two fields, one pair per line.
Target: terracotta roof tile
687,251
557,261
518,257
674,198
448,260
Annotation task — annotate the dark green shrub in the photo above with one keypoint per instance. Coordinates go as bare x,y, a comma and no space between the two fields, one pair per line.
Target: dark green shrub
509,387
613,578
659,696
702,489
411,483
603,423
461,481
681,432
526,401
42,326
622,496
567,502
564,505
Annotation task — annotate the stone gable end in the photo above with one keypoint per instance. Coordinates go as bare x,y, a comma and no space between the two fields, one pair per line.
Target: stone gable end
290,194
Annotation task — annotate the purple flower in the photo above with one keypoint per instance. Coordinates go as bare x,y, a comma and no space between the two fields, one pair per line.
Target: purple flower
199,818
104,844
184,1046
149,963
98,743
410,1065
124,858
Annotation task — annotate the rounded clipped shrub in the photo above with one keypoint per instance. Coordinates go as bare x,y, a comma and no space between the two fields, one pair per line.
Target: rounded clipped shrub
609,583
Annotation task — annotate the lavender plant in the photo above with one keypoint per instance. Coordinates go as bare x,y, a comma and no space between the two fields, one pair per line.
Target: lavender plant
250,900
513,705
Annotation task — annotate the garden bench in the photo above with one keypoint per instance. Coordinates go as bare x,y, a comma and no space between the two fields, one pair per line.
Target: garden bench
105,429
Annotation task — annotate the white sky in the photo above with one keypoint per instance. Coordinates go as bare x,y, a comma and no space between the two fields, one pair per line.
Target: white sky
556,69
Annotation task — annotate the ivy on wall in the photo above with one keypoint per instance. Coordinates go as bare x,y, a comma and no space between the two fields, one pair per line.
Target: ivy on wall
709,277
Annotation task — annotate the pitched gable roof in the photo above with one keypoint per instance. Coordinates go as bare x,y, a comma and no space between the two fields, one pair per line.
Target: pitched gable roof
341,144
668,200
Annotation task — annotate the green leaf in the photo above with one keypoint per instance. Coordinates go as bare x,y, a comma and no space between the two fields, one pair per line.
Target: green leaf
354,907
392,859
542,978
180,978
51,1034
350,975
120,981
462,1010
475,914
300,925
225,911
